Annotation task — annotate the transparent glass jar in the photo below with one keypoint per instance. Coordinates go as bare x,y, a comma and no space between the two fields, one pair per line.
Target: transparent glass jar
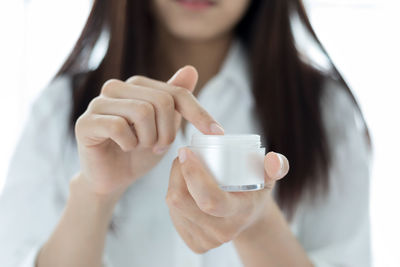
235,161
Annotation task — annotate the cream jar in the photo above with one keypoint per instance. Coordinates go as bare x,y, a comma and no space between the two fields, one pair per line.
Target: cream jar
235,161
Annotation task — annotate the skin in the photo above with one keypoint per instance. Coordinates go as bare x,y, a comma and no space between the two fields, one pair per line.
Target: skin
127,129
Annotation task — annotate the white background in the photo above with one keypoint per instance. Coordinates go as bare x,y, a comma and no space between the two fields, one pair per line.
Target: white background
362,36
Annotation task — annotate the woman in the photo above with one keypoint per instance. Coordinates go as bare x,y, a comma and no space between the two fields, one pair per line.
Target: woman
130,201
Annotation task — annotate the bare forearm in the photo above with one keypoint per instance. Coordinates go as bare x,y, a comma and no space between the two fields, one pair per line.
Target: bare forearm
270,242
78,239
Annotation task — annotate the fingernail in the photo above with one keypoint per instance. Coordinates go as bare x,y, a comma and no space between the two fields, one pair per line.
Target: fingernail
216,128
280,157
161,150
182,155
174,76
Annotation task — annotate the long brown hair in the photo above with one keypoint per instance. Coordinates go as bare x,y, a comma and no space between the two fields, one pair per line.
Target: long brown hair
286,90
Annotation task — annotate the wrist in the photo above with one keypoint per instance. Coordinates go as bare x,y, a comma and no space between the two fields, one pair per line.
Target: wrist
79,237
269,241
265,223
81,191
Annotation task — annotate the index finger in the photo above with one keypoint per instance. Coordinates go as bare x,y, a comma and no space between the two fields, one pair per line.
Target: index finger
185,103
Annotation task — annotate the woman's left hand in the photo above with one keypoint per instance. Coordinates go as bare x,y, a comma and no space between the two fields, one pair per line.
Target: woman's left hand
203,214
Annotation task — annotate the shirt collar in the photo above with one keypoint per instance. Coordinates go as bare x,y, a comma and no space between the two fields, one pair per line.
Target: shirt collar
235,67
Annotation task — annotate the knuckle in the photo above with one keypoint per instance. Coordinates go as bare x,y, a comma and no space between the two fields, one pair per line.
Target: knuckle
132,104
208,205
144,111
79,124
190,170
173,199
131,146
117,127
208,242
165,100
109,86
136,79
202,113
95,103
224,236
169,139
198,249
166,139
180,91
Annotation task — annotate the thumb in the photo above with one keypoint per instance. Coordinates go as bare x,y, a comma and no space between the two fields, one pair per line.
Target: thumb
276,166
185,77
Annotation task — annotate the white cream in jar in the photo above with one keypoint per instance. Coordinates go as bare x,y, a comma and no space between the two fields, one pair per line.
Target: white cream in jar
235,161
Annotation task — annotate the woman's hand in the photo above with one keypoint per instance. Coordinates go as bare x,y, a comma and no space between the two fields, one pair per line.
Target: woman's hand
128,128
203,214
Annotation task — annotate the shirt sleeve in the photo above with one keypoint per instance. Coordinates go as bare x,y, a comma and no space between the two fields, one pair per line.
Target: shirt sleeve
335,228
31,201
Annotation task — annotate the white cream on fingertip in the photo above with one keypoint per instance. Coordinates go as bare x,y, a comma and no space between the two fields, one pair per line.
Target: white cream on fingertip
216,128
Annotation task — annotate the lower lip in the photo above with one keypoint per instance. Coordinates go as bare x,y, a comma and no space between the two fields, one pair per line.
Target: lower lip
195,5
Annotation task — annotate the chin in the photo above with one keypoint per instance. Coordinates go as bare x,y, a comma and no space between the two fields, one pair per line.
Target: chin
194,34
199,20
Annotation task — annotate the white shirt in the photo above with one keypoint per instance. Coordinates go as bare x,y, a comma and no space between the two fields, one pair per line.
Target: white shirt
334,230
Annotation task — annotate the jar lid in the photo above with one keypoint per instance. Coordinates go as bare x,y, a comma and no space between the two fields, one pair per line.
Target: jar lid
247,140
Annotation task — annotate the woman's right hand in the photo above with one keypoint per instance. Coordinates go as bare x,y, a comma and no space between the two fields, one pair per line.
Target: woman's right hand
127,129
